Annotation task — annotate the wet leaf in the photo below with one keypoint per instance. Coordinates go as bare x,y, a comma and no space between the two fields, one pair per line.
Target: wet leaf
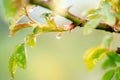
12,65
108,75
31,40
93,56
20,55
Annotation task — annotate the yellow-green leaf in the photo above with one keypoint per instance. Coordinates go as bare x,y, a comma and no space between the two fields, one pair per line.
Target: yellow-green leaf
92,24
108,75
31,40
12,65
51,22
20,55
45,28
93,56
49,19
118,73
10,9
89,12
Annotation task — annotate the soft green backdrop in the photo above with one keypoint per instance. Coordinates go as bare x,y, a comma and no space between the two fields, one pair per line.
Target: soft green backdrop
53,59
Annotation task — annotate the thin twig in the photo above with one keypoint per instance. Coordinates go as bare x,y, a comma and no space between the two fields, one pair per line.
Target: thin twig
75,19
27,15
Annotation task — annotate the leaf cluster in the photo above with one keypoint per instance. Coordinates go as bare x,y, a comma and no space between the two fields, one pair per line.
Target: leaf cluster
108,12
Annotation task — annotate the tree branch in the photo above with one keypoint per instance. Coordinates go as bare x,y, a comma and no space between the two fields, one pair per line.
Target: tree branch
75,19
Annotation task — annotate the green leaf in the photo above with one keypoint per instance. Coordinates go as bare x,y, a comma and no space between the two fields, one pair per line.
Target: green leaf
107,40
51,22
12,65
49,19
108,63
36,30
113,56
108,17
10,9
31,40
108,75
20,55
89,26
93,56
118,73
47,15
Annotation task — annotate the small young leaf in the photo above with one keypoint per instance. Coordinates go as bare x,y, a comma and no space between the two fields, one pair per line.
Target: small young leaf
93,16
89,26
47,15
113,56
36,30
107,41
91,11
12,65
118,73
31,40
108,63
93,56
108,75
51,22
45,28
20,55
49,19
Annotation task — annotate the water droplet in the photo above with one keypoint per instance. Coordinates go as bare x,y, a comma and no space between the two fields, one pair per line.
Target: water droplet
58,36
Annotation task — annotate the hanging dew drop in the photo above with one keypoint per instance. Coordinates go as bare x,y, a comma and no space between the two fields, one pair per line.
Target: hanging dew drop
58,37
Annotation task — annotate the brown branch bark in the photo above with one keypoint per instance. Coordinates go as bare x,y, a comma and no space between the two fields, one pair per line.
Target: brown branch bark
75,19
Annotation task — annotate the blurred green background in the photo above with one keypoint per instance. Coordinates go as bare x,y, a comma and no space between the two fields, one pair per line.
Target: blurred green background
53,59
